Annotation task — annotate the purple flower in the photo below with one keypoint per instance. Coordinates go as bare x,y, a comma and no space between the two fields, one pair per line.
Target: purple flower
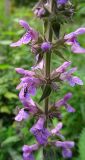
71,39
24,72
56,130
66,148
26,90
40,132
61,69
28,103
28,151
29,108
22,115
28,83
63,102
39,12
29,86
46,46
40,65
28,156
72,80
30,35
61,2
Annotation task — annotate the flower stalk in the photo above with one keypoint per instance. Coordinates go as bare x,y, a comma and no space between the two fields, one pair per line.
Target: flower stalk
47,71
53,13
48,36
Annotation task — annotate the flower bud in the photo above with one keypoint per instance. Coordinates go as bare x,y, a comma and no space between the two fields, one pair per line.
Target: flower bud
61,2
46,46
40,12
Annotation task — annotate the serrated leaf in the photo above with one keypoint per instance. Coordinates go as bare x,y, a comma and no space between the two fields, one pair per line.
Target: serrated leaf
46,92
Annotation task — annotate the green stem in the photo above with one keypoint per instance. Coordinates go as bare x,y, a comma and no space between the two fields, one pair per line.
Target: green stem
47,70
47,62
48,36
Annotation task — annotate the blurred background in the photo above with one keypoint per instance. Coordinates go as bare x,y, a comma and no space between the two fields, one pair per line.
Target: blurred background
13,135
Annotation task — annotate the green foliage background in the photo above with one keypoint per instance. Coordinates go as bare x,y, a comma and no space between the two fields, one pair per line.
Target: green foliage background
13,135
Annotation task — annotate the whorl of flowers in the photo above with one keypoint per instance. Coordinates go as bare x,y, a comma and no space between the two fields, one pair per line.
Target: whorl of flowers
41,75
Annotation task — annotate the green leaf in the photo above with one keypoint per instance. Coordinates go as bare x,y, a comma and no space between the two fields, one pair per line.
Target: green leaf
5,66
39,154
10,95
56,29
58,53
82,145
5,42
46,92
10,140
14,154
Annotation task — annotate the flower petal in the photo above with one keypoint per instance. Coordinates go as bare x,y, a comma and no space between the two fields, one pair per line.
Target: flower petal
76,48
24,24
59,103
24,40
61,1
63,67
65,144
39,124
40,132
67,96
57,128
22,115
77,80
32,90
80,31
70,36
38,66
24,72
71,81
28,156
31,148
69,108
66,153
